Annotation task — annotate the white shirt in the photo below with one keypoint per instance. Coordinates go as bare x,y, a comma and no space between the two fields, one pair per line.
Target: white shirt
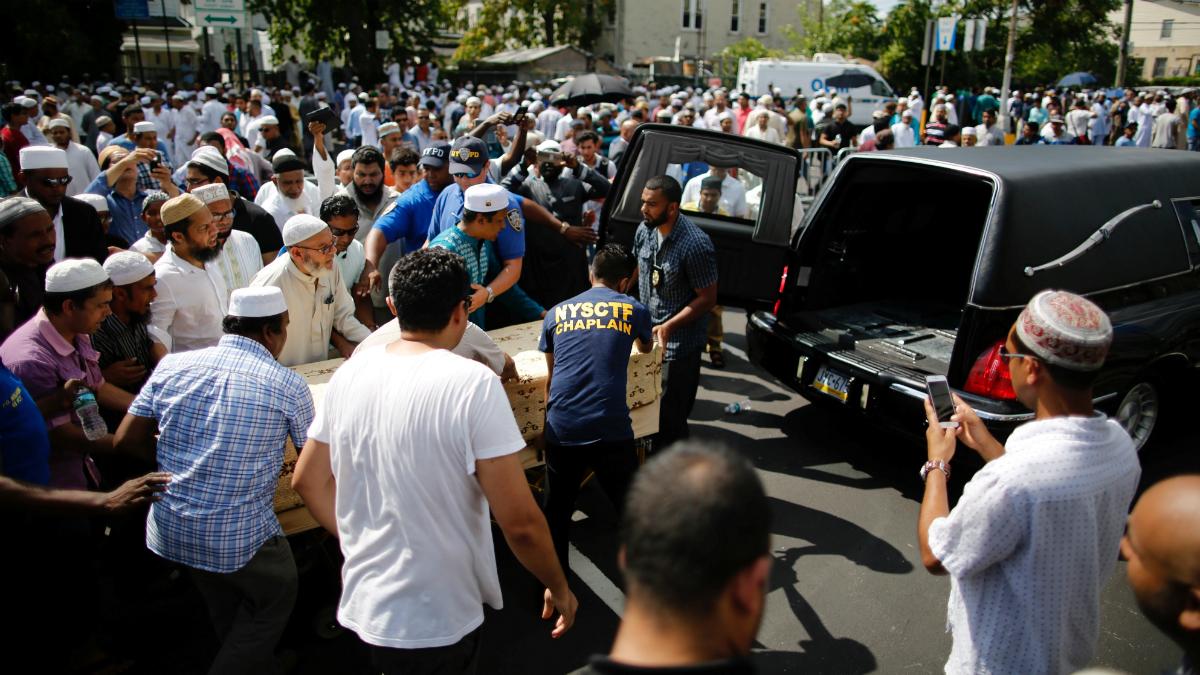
733,194
60,238
904,135
992,136
164,121
404,435
240,259
770,134
351,263
475,344
191,304
186,126
274,203
82,167
547,122
316,305
1145,128
1099,125
562,126
210,115
1077,122
1030,544
148,244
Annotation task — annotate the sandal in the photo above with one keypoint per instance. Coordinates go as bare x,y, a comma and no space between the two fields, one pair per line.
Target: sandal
718,358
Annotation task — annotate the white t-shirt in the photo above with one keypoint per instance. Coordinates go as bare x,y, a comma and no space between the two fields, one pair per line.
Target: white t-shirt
404,433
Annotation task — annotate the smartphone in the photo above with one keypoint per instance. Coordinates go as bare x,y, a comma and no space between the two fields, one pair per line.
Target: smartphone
943,403
154,164
544,157
520,114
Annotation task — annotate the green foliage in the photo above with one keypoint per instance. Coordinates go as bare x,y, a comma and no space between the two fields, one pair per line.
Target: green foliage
346,28
512,24
849,27
749,49
45,39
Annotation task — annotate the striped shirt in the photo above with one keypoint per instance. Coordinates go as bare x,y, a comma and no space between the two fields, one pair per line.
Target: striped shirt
224,414
117,341
686,261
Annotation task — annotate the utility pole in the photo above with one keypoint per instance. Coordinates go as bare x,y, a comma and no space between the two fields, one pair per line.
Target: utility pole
166,35
1006,85
1123,55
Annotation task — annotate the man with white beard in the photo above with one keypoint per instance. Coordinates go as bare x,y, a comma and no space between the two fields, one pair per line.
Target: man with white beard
288,194
318,301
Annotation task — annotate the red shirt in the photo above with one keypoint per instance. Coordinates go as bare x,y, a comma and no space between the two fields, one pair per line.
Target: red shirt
14,140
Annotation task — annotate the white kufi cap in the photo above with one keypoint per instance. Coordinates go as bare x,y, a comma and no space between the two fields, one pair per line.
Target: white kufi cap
257,302
74,274
42,157
213,192
144,127
127,267
98,202
301,227
485,198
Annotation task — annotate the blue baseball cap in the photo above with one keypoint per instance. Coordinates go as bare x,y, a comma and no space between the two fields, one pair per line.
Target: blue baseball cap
435,155
468,155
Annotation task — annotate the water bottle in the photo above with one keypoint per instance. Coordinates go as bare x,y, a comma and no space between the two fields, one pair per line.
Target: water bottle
741,406
89,415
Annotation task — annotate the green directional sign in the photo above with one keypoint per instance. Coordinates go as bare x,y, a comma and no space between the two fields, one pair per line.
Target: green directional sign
222,19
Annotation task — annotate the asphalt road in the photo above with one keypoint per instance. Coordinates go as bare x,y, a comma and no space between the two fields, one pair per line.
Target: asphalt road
848,593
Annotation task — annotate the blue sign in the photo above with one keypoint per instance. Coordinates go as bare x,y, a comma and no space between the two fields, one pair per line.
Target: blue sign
132,9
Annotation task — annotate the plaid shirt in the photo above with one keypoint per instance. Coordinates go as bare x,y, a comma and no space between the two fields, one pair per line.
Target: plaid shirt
242,182
686,261
224,413
145,180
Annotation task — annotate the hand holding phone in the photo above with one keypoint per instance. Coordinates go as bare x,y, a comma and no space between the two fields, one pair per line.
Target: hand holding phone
520,114
943,403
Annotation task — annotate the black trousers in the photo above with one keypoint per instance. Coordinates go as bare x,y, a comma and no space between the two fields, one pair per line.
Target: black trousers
250,608
460,658
680,380
614,463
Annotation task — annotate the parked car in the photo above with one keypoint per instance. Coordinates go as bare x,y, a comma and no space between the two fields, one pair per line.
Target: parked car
916,262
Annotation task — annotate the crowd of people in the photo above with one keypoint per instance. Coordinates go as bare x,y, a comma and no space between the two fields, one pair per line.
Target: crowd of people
164,265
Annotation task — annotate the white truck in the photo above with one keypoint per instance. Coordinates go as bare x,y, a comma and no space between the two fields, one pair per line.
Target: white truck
867,88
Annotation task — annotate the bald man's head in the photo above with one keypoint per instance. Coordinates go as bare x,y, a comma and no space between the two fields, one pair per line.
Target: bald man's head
1162,544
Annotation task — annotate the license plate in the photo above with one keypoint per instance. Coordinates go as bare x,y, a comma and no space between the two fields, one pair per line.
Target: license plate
829,381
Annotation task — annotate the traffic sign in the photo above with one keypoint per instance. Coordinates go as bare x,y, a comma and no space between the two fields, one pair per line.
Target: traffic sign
221,19
220,5
946,30
131,9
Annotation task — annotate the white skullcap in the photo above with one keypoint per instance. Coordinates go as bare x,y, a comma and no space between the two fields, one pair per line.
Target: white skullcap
283,152
207,155
42,157
301,227
26,101
1066,330
97,202
127,267
58,122
486,198
15,208
968,131
549,146
213,192
103,120
907,113
210,91
344,156
145,100
74,274
257,302
474,100
144,127
268,120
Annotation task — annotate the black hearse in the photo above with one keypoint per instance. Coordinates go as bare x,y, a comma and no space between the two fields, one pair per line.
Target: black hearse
915,262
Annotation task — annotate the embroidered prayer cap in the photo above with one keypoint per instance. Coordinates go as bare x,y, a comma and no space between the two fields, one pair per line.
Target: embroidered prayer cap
154,197
213,192
1066,330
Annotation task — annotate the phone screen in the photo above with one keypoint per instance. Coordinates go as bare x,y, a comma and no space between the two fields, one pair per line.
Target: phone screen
939,393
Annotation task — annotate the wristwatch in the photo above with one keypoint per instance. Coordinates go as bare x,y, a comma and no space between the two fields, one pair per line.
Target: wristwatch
935,464
563,229
491,294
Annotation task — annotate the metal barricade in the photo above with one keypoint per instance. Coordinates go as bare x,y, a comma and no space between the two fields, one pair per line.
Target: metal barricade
815,166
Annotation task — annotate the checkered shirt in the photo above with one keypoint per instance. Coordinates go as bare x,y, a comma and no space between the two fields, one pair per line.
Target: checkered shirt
146,180
224,413
688,261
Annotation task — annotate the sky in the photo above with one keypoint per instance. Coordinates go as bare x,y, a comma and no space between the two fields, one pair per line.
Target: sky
884,6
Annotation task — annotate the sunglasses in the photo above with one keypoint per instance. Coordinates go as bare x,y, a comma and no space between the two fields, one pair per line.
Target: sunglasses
1005,354
343,233
464,174
51,182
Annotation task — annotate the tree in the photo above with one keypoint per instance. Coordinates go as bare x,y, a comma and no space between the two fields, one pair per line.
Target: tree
850,27
50,38
346,28
749,49
508,24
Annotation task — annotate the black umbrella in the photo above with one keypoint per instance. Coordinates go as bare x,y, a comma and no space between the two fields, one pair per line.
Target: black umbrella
851,79
591,88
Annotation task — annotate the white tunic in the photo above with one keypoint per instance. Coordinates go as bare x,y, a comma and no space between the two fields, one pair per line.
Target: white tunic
82,167
191,304
273,202
239,261
316,305
1030,544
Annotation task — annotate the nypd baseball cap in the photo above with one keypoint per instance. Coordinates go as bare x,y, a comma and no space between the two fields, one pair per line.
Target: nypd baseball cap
468,155
435,155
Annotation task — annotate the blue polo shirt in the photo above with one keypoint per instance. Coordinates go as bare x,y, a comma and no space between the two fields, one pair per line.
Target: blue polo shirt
591,336
447,212
24,443
409,218
126,214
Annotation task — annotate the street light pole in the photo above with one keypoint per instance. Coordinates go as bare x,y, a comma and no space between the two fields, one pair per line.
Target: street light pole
1006,85
1123,56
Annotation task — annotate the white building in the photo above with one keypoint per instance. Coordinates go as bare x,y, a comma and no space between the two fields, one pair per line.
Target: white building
1165,34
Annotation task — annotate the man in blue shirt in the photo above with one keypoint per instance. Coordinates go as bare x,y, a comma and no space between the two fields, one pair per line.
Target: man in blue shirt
677,281
587,342
409,218
1193,133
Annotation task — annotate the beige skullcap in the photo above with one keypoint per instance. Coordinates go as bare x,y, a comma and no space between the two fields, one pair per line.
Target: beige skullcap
178,209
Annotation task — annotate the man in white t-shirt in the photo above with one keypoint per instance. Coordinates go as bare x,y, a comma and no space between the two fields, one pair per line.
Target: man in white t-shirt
733,193
410,447
1035,535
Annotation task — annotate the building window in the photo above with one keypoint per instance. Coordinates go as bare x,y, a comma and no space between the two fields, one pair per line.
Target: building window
735,16
693,14
762,18
611,11
1160,68
1167,26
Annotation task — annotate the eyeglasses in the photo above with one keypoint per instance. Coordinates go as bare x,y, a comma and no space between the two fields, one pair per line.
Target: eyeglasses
223,216
319,249
194,182
1005,354
61,180
350,231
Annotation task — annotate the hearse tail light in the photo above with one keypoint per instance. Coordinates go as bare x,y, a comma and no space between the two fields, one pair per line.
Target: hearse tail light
782,285
990,377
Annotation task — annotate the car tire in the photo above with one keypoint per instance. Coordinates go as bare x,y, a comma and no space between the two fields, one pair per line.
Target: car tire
1140,410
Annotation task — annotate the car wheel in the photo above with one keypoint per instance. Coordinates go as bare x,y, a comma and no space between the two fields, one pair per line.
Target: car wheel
1139,412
